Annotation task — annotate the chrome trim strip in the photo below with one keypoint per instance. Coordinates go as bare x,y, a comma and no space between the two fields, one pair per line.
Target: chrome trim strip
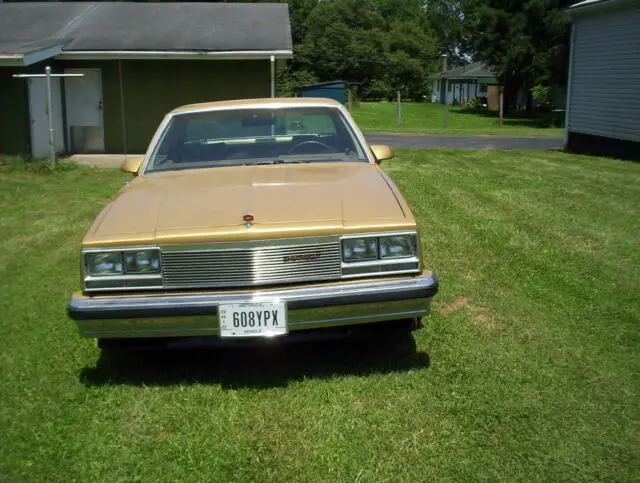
378,274
287,295
406,314
379,234
381,261
250,244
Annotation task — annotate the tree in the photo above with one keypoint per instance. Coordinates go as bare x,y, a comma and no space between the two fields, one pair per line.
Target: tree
526,42
446,18
378,45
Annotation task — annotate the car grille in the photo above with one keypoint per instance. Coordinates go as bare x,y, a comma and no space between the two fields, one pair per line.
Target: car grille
252,266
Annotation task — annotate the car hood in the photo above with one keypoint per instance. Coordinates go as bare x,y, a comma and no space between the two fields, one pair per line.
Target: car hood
286,200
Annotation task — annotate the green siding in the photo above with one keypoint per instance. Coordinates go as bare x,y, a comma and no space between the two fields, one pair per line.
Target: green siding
154,87
14,114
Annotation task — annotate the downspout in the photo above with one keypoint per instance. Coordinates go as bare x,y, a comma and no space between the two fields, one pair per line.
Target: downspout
273,76
569,82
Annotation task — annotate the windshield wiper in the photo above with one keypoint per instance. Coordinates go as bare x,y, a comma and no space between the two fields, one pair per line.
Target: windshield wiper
277,161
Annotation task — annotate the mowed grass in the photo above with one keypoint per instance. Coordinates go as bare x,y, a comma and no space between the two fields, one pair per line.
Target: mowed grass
526,370
425,118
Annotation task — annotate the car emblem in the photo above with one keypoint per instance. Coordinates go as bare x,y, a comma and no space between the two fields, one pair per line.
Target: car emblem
248,220
306,257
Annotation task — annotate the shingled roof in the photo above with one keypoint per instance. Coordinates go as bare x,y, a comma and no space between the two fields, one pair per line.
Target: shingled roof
112,27
469,71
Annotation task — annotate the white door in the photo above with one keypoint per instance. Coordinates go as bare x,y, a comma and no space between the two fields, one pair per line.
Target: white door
39,117
83,97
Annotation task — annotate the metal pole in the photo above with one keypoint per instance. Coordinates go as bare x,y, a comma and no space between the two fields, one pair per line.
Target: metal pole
444,58
398,110
52,146
501,106
122,111
349,100
273,76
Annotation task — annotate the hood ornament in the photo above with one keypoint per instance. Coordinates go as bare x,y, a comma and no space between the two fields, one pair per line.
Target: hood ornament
248,220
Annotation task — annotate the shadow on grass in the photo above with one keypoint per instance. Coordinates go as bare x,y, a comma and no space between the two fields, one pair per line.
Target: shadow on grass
258,367
515,119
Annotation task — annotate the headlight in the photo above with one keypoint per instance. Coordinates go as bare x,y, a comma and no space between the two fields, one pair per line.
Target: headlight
143,261
397,246
109,263
359,249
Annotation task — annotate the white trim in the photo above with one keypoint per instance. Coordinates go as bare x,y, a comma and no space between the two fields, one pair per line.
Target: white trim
22,60
590,5
11,60
168,54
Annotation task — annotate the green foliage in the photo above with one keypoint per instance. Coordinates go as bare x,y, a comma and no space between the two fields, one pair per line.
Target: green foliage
288,81
473,104
40,166
525,41
378,46
527,368
542,95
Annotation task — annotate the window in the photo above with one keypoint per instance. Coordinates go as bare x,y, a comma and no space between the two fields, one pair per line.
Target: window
255,136
483,89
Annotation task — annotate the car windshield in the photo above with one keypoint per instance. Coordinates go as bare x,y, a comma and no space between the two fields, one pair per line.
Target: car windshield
255,136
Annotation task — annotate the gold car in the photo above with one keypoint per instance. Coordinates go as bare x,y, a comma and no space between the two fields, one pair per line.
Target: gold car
252,219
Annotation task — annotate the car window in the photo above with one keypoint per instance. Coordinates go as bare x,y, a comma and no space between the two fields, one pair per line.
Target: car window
255,136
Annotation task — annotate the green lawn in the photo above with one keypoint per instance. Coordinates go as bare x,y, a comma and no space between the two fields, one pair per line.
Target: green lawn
527,369
429,119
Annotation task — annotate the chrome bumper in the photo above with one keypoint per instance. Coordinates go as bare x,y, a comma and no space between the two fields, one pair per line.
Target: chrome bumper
326,305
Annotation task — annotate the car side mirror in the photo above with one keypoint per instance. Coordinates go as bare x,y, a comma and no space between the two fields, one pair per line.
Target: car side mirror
381,152
132,165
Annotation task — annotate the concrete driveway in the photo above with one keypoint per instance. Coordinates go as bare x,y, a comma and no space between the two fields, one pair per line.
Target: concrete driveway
463,142
100,160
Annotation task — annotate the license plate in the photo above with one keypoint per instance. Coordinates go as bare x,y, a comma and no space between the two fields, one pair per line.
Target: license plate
256,319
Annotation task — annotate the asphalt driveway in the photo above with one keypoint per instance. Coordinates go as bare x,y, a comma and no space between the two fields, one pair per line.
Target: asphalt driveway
463,142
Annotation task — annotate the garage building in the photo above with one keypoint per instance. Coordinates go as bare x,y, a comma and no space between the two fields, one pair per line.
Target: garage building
139,61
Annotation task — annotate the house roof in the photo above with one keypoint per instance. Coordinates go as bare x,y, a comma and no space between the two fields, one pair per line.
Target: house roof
472,70
113,28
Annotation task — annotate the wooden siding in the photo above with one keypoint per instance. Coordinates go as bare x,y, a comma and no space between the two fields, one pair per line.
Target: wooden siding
605,74
154,87
14,114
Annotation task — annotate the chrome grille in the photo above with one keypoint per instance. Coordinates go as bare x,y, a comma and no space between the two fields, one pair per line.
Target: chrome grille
266,265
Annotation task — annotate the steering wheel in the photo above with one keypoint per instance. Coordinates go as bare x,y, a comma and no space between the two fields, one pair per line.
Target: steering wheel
328,148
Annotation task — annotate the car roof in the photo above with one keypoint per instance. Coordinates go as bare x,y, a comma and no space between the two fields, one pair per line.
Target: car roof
276,103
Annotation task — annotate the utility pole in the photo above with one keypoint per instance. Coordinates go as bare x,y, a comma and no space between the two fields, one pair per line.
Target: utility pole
48,75
444,58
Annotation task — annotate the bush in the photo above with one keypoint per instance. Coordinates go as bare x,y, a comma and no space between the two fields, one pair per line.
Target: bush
476,103
542,95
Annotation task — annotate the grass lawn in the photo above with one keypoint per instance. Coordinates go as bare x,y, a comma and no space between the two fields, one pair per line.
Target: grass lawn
527,369
429,119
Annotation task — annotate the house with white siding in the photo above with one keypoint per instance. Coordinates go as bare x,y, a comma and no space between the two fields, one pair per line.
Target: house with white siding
461,84
603,99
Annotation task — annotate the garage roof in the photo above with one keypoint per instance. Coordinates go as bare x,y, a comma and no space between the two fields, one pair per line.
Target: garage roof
147,30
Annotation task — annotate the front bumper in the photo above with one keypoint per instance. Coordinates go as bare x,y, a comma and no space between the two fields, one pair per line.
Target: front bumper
309,307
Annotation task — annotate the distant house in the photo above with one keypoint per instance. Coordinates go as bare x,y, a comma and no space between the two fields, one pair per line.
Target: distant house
603,108
139,60
461,84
